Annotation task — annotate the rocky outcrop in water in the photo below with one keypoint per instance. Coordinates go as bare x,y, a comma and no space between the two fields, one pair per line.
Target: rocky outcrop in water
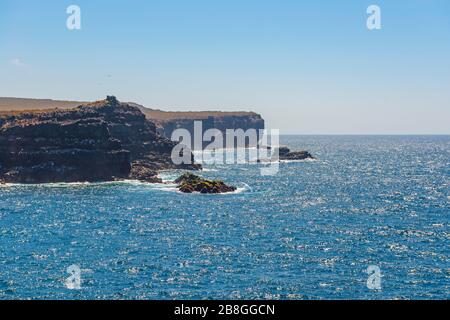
189,183
286,154
101,141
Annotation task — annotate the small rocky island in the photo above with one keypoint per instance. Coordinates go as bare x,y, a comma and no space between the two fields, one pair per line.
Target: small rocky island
189,183
284,153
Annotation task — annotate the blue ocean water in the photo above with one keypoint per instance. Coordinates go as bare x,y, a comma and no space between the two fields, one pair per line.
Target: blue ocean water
308,232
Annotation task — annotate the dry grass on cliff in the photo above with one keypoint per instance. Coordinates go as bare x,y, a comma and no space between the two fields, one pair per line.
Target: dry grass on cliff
15,106
20,104
168,115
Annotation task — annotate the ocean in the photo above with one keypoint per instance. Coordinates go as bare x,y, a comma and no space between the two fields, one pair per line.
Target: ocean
309,232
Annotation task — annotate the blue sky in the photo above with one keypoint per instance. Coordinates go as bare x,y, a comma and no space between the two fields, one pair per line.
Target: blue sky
307,66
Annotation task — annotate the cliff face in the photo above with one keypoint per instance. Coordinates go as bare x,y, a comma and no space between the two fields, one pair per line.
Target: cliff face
220,122
166,122
244,122
100,141
63,149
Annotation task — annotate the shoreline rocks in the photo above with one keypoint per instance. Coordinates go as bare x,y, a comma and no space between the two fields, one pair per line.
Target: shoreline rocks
189,183
96,142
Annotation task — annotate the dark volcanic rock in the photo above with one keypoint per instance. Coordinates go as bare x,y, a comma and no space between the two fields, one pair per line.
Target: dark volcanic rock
40,150
138,135
100,141
142,171
189,183
286,154
220,122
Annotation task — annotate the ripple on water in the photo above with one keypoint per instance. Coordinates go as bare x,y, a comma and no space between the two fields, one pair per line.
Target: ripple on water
308,232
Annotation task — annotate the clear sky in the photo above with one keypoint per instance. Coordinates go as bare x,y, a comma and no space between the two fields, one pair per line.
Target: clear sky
307,66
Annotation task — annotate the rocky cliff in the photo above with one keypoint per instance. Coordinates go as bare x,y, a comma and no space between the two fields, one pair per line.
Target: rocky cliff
166,121
101,141
221,121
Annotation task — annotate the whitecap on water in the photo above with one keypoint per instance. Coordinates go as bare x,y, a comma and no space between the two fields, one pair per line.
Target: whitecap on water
395,247
168,176
296,161
237,191
209,170
169,189
54,184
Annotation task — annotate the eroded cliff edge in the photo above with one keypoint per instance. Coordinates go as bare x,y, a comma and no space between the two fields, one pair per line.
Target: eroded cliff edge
100,141
166,121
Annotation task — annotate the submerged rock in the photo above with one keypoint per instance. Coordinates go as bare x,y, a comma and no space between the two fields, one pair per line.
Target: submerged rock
189,183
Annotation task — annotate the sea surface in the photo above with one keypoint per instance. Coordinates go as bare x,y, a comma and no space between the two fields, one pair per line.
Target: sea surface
309,232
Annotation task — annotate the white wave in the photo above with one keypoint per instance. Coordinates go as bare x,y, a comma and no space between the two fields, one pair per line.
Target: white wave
6,185
246,187
239,190
209,170
83,184
169,189
142,186
55,184
168,176
166,185
294,161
